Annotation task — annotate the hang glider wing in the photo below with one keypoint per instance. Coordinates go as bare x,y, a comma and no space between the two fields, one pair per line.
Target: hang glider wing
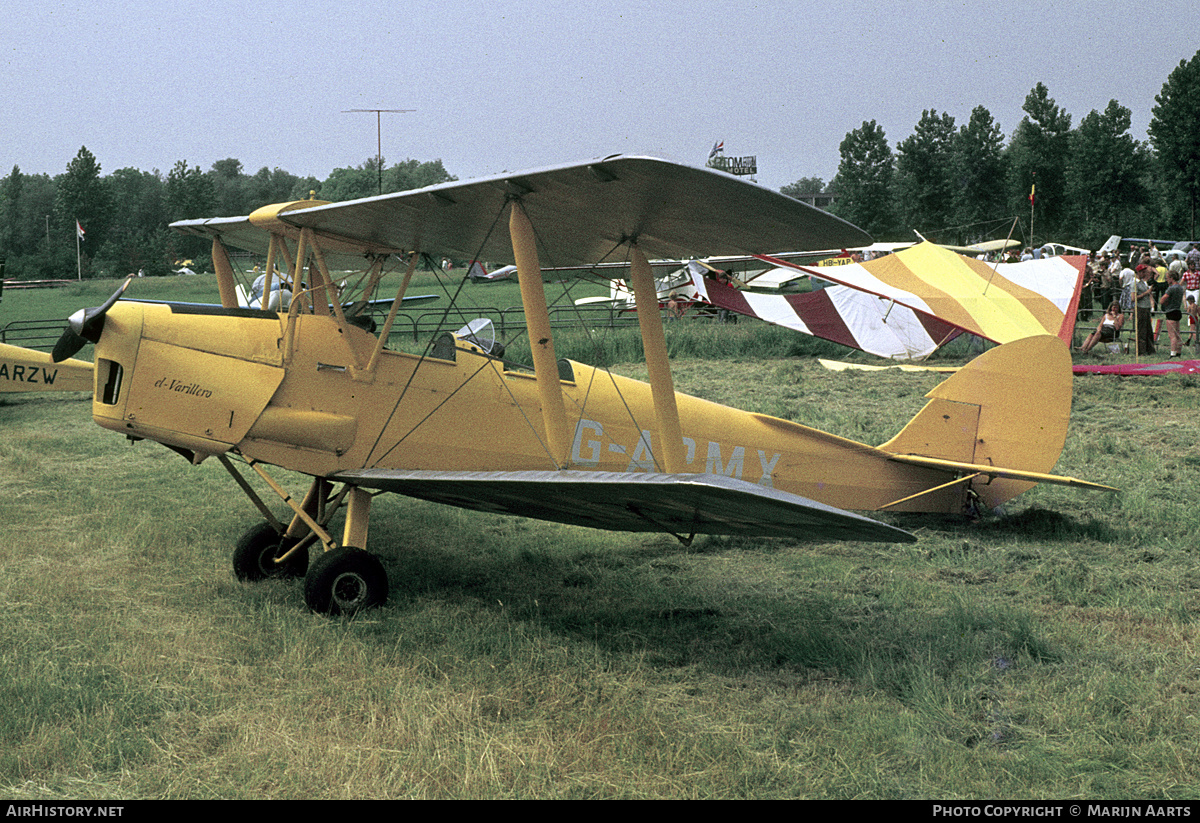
999,303
589,209
682,504
839,365
844,315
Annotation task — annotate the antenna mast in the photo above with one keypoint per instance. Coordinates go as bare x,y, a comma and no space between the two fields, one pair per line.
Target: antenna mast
379,135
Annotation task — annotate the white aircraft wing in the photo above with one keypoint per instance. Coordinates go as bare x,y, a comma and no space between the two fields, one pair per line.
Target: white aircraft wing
986,247
774,278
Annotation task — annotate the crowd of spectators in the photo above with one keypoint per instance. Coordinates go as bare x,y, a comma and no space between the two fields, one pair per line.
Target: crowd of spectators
1138,284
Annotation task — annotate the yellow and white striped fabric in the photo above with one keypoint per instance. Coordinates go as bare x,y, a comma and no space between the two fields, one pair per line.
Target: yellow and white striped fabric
1000,303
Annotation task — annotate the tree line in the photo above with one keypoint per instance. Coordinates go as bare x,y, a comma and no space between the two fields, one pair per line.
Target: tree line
957,184
124,215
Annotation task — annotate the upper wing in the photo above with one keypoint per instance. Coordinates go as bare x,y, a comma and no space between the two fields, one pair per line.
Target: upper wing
679,503
672,211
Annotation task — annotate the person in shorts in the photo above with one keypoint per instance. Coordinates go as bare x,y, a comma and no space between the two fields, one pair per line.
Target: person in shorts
1171,303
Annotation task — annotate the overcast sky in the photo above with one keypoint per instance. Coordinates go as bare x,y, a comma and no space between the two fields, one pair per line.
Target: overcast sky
529,83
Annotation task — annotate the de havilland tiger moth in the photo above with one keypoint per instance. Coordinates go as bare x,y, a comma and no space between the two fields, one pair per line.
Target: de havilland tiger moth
311,390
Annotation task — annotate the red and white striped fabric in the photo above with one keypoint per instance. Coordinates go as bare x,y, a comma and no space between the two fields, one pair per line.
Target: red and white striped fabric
903,306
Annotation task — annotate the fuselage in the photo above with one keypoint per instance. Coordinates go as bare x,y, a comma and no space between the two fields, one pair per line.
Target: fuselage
296,392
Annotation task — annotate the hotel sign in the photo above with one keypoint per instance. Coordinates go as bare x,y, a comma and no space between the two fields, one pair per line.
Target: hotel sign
736,165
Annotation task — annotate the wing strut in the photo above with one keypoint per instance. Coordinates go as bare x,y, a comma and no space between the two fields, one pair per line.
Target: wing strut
386,331
954,482
225,282
541,341
269,276
654,342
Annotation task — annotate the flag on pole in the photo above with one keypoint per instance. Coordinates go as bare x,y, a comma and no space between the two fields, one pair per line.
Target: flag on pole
1032,189
79,232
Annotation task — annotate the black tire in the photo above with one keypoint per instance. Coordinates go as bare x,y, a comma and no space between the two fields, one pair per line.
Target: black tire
254,556
345,581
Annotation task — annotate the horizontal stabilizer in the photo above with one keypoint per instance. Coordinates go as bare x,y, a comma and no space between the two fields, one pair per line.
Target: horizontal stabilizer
999,471
682,504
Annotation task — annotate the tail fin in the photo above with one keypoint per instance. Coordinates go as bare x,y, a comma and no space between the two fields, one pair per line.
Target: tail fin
1008,409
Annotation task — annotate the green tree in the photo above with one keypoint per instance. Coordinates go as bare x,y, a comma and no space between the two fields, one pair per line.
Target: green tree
268,186
1038,156
304,188
1175,135
363,180
864,180
44,249
81,196
10,211
978,171
189,193
352,183
805,185
137,235
229,188
1104,176
923,173
414,174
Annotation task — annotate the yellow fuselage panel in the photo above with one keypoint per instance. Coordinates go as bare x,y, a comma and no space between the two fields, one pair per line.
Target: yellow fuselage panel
200,395
255,336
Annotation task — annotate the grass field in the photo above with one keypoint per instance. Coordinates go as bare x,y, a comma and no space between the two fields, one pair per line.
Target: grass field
1047,653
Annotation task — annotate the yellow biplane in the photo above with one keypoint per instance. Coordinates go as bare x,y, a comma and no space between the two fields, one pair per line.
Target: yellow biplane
313,391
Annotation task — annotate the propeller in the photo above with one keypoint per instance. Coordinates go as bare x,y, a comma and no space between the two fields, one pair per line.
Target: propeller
84,326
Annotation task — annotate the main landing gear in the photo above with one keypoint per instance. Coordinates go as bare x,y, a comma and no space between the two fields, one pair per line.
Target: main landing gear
341,579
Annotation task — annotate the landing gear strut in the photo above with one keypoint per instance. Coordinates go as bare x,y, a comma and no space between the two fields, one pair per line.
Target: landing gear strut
340,580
